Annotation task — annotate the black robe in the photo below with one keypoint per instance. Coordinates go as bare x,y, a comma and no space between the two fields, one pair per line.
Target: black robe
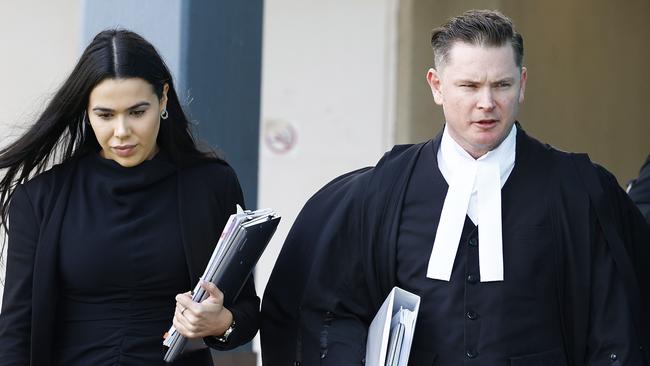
339,260
640,191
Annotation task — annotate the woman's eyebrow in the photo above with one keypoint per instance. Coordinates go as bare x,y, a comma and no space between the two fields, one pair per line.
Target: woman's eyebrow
104,109
141,104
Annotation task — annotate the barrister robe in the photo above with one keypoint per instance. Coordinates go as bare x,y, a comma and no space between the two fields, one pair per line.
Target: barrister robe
640,191
569,294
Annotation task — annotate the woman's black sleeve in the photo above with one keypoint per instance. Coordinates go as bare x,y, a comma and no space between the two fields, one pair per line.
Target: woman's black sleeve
15,316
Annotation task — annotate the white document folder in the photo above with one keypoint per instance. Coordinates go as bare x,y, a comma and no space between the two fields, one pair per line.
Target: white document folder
393,325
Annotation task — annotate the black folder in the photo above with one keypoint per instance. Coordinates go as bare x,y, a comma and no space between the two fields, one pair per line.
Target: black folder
231,277
241,245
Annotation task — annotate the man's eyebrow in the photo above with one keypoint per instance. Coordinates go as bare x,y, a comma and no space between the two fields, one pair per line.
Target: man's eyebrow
466,81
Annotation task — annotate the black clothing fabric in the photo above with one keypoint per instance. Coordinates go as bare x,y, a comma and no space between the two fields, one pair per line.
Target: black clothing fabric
120,263
342,257
465,320
46,302
640,190
425,193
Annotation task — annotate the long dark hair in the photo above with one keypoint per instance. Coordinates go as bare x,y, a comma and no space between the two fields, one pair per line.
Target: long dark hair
59,133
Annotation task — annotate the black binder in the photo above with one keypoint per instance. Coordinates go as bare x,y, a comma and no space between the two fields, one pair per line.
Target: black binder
241,245
231,277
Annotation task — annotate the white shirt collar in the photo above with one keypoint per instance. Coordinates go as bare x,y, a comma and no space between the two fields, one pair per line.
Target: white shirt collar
451,155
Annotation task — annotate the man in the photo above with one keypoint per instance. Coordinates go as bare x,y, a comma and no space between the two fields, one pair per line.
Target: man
640,190
520,253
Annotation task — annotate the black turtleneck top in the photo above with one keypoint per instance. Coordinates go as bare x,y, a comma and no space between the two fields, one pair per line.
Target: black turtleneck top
121,263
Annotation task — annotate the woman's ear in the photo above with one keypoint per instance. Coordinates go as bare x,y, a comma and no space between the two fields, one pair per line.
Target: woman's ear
163,98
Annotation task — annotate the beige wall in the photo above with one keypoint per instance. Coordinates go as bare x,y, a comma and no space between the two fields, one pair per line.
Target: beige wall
39,43
588,74
327,73
38,47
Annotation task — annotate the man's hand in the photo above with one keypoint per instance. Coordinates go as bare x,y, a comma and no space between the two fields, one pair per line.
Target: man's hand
208,318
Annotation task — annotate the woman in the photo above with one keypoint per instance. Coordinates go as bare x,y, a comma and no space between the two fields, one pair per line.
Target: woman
103,247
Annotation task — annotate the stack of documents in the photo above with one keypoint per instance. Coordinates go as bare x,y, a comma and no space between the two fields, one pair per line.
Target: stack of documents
391,332
240,246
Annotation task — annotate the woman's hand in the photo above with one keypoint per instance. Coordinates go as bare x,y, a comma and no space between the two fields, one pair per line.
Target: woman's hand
208,318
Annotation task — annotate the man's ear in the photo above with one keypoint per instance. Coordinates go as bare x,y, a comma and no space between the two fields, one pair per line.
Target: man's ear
433,78
522,86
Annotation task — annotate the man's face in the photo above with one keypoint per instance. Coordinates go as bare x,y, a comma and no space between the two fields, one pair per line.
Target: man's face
480,89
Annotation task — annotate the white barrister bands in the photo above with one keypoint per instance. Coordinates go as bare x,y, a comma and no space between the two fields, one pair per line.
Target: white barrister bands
474,190
490,248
